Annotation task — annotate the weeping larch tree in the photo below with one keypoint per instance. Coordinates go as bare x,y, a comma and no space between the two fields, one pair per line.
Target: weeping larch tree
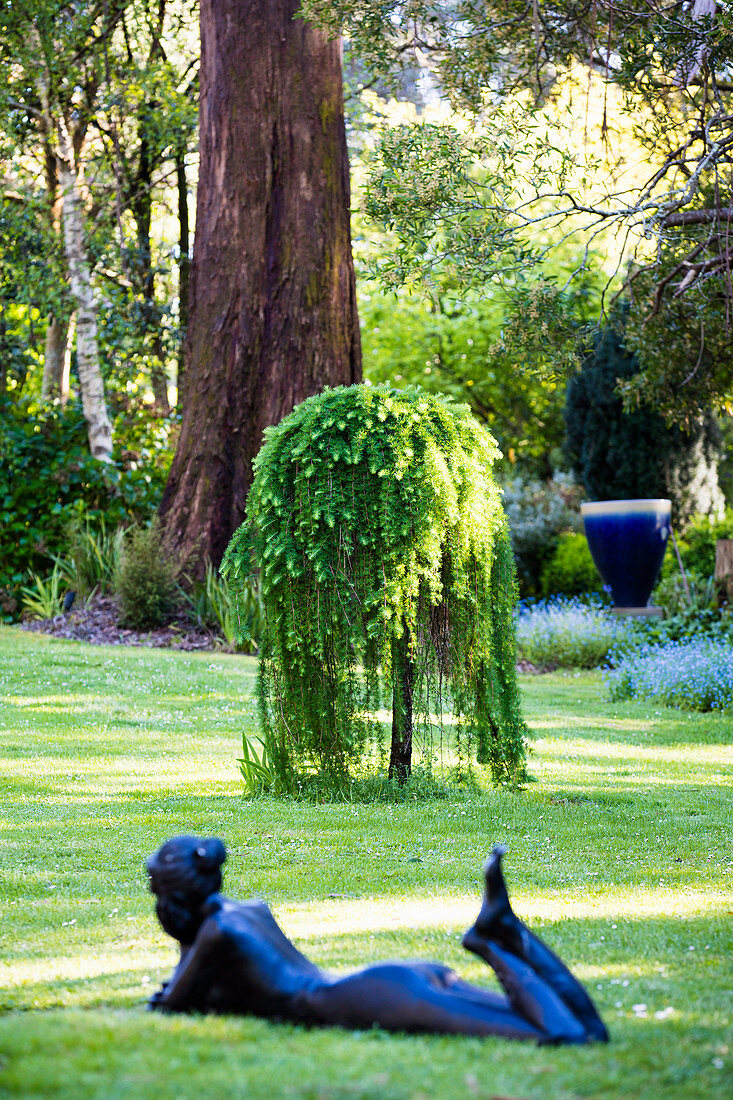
272,310
387,579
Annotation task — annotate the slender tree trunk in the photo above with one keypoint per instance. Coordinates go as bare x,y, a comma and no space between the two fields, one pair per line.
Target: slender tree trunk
184,264
403,678
273,307
87,352
3,360
56,360
724,566
142,211
61,168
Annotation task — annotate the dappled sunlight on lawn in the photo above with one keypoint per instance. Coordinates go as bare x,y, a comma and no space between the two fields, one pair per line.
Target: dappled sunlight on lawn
616,725
452,913
93,779
84,963
602,752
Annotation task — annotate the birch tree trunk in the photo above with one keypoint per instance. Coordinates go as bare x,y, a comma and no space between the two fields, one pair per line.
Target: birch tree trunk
57,356
61,162
99,428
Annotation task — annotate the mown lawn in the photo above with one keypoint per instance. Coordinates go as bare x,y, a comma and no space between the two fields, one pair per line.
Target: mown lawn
619,853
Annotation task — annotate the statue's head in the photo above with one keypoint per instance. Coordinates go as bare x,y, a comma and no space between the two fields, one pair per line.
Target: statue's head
184,872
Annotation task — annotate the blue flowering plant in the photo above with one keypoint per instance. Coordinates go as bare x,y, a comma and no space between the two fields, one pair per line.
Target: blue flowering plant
694,674
563,632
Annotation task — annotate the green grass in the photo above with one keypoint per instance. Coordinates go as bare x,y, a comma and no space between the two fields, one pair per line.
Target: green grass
619,854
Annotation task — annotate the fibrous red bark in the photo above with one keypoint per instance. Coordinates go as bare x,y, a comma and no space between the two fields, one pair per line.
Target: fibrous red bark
272,298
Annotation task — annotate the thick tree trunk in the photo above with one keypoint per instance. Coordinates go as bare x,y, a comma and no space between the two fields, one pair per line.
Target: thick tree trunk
99,428
273,307
403,678
57,360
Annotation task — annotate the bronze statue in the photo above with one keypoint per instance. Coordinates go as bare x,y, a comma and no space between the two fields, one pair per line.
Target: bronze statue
236,959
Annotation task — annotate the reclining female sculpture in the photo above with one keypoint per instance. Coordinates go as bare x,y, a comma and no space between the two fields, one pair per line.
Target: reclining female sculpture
236,959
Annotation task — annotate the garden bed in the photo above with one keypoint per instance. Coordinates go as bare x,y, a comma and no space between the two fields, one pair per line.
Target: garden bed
97,622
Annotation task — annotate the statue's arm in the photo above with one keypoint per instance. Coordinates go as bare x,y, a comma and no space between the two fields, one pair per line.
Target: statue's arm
183,992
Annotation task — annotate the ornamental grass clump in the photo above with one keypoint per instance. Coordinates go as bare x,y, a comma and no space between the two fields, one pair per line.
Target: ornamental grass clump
387,581
567,633
695,675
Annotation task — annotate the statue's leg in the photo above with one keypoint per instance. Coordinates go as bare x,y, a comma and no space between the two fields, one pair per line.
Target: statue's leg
426,997
498,925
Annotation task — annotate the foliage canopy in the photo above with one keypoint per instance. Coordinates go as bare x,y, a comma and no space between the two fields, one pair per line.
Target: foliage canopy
383,552
482,198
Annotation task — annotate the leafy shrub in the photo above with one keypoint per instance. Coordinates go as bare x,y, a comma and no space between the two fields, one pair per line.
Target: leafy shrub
677,594
48,478
538,513
688,624
571,569
566,633
93,556
696,674
146,580
697,544
237,616
690,613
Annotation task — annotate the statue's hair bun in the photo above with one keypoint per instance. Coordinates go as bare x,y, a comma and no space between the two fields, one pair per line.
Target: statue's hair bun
209,854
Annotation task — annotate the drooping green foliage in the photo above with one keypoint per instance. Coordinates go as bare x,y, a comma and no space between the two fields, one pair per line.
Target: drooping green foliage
383,556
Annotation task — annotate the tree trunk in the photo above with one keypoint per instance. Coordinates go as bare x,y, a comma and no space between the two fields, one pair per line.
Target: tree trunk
403,678
724,566
272,299
57,360
99,428
3,359
61,168
184,263
142,204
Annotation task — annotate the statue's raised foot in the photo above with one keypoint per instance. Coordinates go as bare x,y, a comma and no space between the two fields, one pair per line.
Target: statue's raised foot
498,924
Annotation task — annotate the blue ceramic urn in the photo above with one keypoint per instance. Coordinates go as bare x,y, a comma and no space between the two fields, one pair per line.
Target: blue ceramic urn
627,539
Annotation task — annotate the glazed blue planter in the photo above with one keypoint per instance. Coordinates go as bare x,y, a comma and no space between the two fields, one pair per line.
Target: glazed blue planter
627,539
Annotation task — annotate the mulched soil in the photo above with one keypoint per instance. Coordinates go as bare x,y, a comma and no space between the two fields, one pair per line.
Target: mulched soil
98,624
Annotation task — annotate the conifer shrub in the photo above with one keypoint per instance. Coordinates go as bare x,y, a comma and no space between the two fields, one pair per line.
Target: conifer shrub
622,455
387,580
145,580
